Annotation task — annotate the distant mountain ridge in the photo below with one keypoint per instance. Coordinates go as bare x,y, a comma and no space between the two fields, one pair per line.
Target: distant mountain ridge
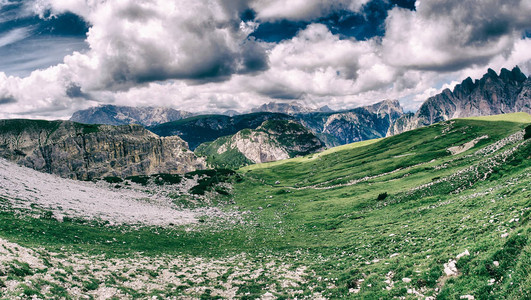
292,108
493,94
125,115
333,128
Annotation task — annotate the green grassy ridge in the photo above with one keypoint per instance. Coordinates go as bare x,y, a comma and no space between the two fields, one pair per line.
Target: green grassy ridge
421,145
340,232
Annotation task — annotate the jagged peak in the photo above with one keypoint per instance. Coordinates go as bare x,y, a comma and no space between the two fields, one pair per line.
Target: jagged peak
518,75
491,73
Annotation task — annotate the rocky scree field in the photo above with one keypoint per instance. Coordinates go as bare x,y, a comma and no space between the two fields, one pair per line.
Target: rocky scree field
404,217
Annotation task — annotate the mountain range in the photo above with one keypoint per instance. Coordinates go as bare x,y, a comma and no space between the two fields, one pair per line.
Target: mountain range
493,94
125,115
85,151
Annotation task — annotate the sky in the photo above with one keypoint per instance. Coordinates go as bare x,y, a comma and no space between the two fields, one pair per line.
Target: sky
59,56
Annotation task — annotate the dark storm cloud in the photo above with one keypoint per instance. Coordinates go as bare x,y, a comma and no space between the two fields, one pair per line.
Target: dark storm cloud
486,22
74,91
7,100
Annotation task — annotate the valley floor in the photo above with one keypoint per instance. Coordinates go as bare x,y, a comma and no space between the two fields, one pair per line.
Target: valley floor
406,217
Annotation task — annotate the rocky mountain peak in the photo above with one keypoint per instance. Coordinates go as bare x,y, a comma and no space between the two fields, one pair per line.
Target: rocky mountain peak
492,94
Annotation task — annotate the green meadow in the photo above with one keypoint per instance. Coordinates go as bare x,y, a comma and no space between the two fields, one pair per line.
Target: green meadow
378,219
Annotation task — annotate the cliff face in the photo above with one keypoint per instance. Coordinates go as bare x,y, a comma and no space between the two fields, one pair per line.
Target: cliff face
362,123
124,115
273,140
493,94
84,152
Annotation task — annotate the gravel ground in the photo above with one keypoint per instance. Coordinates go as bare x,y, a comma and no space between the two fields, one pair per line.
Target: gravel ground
24,187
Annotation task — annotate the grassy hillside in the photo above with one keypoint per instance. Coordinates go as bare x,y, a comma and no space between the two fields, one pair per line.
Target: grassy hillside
372,220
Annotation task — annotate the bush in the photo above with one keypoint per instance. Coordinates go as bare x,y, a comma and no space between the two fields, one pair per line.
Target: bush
382,196
527,132
113,179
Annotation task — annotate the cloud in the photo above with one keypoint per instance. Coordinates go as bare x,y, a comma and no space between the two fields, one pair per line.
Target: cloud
317,62
7,100
134,42
14,36
452,35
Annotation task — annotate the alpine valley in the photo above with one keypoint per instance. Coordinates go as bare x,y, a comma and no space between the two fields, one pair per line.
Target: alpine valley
282,202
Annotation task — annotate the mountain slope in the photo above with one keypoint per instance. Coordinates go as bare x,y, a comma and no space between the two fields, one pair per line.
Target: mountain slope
82,151
273,140
125,115
492,94
362,123
207,128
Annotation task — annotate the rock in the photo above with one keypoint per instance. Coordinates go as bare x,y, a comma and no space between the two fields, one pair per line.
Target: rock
465,253
505,235
496,263
450,268
406,280
466,146
84,152
468,297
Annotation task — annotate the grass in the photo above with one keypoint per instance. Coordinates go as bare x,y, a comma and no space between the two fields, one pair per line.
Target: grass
308,158
520,117
328,213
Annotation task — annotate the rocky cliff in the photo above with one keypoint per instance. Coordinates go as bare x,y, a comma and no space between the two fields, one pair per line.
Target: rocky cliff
79,151
273,140
362,123
493,94
124,115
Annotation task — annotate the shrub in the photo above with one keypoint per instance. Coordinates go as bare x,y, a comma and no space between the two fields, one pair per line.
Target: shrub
527,132
113,179
382,196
